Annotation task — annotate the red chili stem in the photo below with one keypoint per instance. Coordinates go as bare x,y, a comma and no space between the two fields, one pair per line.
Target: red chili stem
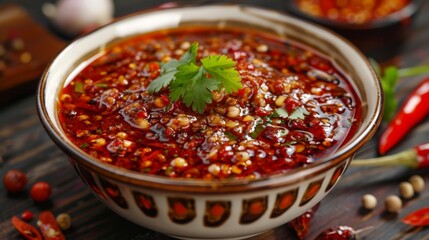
413,111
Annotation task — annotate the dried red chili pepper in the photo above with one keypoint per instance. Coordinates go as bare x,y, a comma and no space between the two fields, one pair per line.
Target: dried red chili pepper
419,218
414,110
49,227
416,157
301,224
338,233
27,231
342,233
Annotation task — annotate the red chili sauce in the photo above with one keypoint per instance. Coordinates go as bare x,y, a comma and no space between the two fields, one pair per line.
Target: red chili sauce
351,11
108,112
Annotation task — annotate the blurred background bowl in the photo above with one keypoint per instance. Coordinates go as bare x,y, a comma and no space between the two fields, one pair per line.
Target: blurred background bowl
387,32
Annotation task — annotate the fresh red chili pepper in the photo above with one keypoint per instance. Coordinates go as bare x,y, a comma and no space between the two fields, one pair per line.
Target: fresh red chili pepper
418,218
28,231
49,227
422,152
416,157
414,110
301,224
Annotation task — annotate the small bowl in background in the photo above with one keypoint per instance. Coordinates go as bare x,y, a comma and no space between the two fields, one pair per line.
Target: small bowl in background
379,38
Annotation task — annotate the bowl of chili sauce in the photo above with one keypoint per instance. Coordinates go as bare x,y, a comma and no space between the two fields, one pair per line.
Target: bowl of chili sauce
286,106
365,23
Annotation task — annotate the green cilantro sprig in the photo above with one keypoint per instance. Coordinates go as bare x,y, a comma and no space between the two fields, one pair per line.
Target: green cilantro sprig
194,84
388,83
389,78
298,113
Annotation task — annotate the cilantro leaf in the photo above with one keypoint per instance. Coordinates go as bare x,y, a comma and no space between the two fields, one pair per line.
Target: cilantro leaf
299,113
222,69
169,69
183,81
216,61
193,87
257,131
162,81
194,84
231,136
200,94
388,82
190,56
281,112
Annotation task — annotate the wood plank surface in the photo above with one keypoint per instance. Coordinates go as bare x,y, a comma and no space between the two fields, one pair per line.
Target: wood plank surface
22,66
25,145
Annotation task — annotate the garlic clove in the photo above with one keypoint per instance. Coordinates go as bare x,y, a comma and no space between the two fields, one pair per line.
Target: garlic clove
74,17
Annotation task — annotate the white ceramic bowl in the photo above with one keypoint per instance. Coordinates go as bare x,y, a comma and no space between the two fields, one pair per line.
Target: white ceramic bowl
151,201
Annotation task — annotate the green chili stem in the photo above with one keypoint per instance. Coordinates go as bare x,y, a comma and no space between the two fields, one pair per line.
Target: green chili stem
406,158
413,71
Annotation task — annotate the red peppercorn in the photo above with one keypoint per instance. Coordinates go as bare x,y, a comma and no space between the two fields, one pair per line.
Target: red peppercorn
27,216
14,181
40,191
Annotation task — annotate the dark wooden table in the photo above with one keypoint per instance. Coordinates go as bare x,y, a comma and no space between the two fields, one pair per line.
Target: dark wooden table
25,145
